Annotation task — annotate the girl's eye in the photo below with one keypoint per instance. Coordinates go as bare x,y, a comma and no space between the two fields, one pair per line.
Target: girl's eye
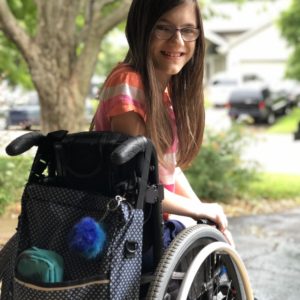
188,30
164,28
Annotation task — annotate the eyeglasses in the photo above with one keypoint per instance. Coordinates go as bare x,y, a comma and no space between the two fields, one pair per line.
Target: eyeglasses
165,32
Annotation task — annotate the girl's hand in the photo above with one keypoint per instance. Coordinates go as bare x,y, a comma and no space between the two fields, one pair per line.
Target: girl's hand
213,212
229,238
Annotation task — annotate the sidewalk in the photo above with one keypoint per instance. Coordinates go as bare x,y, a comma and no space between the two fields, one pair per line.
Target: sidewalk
276,153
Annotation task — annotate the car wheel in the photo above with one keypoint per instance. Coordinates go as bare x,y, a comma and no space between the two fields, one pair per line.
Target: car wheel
233,118
287,110
27,127
271,118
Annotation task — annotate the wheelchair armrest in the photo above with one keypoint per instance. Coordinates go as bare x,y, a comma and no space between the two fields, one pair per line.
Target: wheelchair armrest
129,149
206,222
23,143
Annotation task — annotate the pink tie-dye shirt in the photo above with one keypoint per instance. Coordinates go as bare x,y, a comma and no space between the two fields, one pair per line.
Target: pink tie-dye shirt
123,92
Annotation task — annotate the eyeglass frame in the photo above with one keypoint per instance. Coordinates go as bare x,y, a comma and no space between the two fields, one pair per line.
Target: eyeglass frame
173,29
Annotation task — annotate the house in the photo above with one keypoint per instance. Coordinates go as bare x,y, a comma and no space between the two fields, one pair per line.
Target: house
245,38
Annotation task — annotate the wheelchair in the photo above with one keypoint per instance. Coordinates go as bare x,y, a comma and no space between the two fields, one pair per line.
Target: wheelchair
82,171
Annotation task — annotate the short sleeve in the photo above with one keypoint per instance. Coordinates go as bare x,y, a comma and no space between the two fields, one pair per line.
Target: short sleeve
122,92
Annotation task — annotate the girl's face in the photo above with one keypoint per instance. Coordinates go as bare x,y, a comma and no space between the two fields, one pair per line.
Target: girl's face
169,48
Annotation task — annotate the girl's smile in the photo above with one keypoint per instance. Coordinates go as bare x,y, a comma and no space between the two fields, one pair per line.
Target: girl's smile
172,55
169,49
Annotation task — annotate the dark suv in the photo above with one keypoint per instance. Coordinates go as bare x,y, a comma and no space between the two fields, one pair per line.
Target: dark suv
258,102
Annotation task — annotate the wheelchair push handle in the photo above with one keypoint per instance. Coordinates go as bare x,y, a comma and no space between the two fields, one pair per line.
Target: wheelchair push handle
129,149
23,143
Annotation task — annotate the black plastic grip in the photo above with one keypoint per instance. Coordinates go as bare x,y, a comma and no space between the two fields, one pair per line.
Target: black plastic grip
206,222
24,142
129,149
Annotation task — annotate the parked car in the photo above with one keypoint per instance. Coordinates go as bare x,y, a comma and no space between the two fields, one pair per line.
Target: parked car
258,102
26,113
221,85
290,89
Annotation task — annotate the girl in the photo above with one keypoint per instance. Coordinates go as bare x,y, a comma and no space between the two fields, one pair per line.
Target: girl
158,92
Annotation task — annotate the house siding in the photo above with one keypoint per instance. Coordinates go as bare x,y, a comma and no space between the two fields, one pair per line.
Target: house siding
264,52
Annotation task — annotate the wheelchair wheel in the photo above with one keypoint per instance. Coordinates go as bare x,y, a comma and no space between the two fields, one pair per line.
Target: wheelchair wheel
218,277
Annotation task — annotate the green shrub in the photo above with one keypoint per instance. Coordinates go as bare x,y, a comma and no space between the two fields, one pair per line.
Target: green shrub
218,172
14,172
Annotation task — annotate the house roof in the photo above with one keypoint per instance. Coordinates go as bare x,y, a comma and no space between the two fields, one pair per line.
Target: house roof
243,37
247,19
232,17
215,38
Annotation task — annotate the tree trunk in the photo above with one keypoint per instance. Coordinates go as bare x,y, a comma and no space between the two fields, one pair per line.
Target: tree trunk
60,74
61,93
64,109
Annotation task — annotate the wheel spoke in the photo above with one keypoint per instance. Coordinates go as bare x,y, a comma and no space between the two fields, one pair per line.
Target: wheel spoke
200,278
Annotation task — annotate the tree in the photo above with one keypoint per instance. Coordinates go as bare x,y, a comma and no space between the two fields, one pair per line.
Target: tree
289,23
60,46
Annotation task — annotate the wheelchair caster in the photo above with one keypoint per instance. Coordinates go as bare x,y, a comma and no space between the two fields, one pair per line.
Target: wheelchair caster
167,297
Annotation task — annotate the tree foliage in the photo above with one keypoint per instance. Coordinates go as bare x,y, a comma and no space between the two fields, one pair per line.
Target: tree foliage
289,23
60,42
12,65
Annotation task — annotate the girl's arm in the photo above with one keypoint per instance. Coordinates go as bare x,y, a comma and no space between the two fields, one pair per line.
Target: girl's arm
193,208
183,187
184,201
129,123
212,211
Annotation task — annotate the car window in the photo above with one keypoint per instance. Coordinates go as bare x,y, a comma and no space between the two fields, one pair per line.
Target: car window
251,77
243,94
266,93
224,82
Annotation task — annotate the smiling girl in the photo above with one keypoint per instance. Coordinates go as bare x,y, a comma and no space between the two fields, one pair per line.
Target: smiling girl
158,92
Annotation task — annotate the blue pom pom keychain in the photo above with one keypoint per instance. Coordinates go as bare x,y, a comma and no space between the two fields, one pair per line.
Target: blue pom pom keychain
88,237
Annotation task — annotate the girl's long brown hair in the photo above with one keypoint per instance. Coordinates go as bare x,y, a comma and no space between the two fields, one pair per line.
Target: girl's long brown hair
186,88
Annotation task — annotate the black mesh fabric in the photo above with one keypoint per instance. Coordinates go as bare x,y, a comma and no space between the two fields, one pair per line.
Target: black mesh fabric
48,215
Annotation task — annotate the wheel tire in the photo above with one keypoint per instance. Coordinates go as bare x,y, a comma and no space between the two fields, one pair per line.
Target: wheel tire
208,252
287,110
188,242
271,118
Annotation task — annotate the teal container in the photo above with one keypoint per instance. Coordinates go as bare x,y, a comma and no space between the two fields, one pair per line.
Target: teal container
40,265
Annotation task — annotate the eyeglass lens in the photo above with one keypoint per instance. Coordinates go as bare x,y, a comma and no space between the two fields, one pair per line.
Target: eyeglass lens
165,32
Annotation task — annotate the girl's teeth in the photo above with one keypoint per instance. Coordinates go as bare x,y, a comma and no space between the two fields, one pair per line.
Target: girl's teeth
172,54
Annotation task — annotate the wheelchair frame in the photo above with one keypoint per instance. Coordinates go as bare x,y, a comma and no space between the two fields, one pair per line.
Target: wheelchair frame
193,261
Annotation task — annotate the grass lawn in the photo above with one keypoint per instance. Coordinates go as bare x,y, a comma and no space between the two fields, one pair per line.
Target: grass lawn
286,124
276,187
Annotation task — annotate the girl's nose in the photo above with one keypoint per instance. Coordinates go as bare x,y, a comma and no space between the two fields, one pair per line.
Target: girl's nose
178,37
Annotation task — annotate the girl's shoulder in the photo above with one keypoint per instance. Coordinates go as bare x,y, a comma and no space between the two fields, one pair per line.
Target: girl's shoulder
124,74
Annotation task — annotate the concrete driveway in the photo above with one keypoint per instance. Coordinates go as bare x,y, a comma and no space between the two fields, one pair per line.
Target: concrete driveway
269,246
275,153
